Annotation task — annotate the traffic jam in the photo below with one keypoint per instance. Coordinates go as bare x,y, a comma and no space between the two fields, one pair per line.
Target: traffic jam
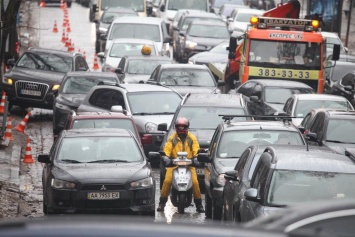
225,110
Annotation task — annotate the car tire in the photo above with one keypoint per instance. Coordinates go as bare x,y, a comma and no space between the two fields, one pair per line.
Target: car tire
216,211
208,206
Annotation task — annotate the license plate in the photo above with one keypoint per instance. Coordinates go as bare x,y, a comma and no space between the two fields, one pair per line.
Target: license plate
103,196
199,171
29,92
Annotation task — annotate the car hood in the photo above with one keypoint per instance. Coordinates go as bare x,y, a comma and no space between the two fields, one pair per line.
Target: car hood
142,120
113,62
342,148
102,172
73,100
225,164
135,78
208,42
183,90
203,136
47,77
206,57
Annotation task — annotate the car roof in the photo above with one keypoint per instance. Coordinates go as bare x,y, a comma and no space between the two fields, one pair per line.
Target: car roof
92,74
96,132
51,51
99,115
183,66
138,19
259,125
208,99
319,97
133,40
206,22
143,87
201,14
341,113
329,34
120,9
249,10
280,83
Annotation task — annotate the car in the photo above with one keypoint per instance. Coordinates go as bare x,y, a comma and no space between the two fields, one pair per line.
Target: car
106,19
186,78
175,21
148,105
218,54
335,71
322,217
137,69
262,5
150,28
124,47
333,129
289,176
202,111
240,19
345,87
268,96
36,76
201,36
298,105
72,91
332,39
97,170
68,2
229,141
184,21
226,10
217,4
78,120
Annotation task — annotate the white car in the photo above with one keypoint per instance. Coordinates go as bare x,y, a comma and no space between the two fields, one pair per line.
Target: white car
298,105
149,28
124,47
331,39
240,19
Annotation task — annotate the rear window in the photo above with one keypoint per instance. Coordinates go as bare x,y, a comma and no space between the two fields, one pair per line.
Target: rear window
136,31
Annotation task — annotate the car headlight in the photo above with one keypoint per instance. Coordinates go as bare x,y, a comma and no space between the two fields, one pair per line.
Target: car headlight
143,183
103,30
55,87
8,81
190,44
151,127
221,180
61,184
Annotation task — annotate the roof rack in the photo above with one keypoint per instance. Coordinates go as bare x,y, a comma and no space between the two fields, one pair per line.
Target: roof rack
284,118
108,83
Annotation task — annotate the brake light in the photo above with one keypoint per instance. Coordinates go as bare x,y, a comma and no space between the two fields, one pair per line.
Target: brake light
147,139
17,47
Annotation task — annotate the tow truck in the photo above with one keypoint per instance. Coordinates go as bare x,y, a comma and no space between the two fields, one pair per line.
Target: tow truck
277,45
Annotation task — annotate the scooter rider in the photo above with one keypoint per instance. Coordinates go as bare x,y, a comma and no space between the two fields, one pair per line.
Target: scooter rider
181,140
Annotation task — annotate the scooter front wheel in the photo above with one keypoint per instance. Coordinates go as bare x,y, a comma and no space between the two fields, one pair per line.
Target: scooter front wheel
181,203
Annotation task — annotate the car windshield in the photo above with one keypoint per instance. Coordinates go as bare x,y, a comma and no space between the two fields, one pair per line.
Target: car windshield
153,102
245,17
46,61
190,4
137,5
220,48
286,54
304,106
188,20
341,130
108,17
279,95
207,117
187,77
338,71
81,84
136,31
105,123
219,3
143,67
119,50
209,31
290,187
233,143
93,148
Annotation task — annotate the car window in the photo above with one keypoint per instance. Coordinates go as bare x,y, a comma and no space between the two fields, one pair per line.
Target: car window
108,17
81,84
137,5
242,161
348,80
191,4
46,62
95,148
106,98
80,64
137,31
119,50
247,88
341,130
188,20
143,66
219,3
214,140
187,77
304,106
208,31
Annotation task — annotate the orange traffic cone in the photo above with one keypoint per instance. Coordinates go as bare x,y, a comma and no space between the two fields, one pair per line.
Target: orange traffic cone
68,43
28,153
61,4
71,47
63,36
55,28
22,125
68,27
8,131
96,64
2,104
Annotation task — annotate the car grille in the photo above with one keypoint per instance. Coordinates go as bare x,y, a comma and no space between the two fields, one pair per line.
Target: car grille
94,204
94,187
27,89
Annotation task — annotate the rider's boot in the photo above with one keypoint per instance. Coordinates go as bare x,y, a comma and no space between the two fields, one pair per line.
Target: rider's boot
162,203
199,207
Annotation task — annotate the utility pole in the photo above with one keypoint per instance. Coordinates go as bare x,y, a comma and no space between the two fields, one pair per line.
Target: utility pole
348,26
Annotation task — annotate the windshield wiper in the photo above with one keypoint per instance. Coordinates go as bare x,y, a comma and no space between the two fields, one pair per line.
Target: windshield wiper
71,161
142,113
108,161
277,205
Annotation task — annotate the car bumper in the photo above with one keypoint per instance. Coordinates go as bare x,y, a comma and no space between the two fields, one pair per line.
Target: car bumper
65,201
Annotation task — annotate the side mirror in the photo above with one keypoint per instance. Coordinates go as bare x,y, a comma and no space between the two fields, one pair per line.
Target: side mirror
119,70
152,155
101,55
230,19
232,44
231,175
43,158
96,21
336,52
95,8
301,129
254,98
251,194
162,8
163,127
221,82
103,37
116,109
167,39
312,137
204,157
348,88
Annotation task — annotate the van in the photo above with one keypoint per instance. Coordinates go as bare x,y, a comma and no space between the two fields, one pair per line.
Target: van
97,7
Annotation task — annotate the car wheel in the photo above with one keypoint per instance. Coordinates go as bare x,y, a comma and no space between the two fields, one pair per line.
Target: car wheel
216,211
208,206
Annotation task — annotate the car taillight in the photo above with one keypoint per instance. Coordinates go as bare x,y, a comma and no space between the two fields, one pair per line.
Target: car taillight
147,139
17,47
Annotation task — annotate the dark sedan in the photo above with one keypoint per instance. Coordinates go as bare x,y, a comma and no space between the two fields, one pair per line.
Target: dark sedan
97,170
185,78
72,92
37,75
218,54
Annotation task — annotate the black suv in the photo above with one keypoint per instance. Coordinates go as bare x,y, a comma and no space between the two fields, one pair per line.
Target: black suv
229,141
202,110
36,76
